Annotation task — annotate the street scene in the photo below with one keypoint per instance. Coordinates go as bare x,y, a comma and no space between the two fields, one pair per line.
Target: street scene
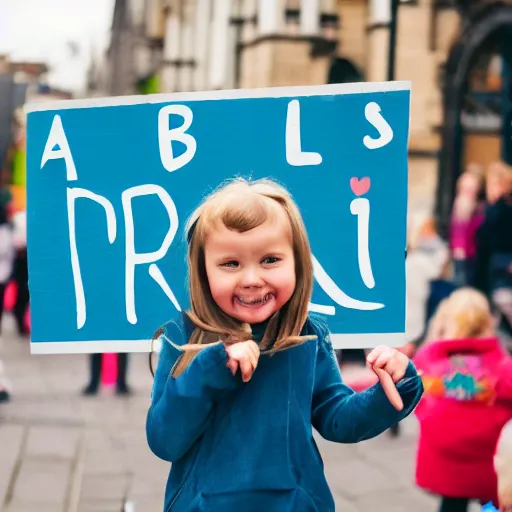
375,125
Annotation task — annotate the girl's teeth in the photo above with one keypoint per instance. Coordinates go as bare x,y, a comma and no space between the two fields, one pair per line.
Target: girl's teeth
252,302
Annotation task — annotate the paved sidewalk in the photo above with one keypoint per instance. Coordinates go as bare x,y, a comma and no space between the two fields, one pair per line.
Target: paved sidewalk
60,452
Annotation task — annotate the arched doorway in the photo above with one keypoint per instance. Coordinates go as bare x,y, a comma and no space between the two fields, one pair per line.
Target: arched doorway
343,71
486,34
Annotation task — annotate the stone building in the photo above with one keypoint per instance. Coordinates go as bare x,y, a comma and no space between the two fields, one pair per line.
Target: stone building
455,52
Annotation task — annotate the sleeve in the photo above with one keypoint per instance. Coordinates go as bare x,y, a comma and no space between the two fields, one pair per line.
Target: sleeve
344,416
181,407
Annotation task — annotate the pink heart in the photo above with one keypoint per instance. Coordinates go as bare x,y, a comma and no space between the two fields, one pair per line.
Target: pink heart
360,187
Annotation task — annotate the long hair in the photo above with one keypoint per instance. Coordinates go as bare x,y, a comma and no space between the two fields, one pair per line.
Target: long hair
499,174
241,206
464,314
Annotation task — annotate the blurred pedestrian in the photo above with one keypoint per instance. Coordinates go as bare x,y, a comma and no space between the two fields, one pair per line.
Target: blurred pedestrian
20,272
5,385
467,375
6,262
95,364
427,258
493,270
467,215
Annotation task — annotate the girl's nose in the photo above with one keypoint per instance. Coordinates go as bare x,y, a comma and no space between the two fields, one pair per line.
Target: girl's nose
251,278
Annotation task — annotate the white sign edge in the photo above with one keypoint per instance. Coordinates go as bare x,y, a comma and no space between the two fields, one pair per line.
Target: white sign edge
339,341
267,92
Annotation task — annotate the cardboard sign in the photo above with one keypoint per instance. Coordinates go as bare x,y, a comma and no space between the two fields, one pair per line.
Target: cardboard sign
112,181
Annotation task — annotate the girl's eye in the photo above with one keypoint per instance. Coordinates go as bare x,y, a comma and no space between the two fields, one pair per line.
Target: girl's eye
269,260
230,264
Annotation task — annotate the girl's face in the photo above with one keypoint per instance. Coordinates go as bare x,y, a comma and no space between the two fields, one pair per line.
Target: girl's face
251,274
494,188
469,185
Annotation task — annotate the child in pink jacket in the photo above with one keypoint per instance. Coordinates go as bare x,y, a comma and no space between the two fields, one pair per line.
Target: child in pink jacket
467,376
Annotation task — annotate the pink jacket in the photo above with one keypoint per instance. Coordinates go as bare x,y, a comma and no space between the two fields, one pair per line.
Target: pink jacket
467,400
463,233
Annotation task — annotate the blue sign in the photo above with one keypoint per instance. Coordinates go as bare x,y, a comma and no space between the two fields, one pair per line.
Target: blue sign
112,181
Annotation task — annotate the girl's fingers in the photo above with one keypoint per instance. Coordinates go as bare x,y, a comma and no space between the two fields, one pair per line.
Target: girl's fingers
397,373
383,359
246,368
243,355
389,388
254,356
374,354
232,364
254,348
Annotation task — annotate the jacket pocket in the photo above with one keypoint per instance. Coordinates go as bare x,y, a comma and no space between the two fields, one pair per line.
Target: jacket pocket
257,501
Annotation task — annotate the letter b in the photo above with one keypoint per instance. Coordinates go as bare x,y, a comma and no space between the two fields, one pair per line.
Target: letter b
166,135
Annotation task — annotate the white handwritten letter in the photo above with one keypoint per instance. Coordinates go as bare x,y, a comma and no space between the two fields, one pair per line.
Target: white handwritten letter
57,137
294,154
72,195
374,117
133,259
361,208
166,135
339,296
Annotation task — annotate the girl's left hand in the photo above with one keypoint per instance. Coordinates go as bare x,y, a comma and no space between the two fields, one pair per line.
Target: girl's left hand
390,360
390,366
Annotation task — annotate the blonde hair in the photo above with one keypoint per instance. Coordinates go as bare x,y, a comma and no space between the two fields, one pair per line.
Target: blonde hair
421,224
464,314
241,206
501,172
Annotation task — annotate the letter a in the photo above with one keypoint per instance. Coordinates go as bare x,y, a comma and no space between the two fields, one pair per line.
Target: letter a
166,135
57,137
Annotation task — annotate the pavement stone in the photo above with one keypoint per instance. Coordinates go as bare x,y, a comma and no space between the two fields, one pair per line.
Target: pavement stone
11,444
103,487
42,482
53,442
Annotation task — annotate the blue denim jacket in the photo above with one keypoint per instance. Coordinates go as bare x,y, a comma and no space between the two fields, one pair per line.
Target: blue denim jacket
249,446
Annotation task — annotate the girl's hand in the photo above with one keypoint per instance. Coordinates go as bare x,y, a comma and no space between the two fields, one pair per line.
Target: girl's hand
243,355
390,360
390,366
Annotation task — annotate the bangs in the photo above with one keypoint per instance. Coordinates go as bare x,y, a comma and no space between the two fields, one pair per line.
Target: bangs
239,212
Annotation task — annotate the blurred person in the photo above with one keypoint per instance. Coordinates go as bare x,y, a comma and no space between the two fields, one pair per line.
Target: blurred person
493,268
467,215
20,272
5,385
6,253
503,468
467,376
95,363
427,258
6,262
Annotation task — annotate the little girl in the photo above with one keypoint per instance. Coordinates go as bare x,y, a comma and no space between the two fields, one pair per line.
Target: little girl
468,398
245,375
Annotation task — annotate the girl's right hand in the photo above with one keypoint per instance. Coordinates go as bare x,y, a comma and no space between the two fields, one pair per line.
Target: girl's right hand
243,355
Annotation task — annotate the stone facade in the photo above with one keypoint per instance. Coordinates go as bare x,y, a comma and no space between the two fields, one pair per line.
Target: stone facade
222,44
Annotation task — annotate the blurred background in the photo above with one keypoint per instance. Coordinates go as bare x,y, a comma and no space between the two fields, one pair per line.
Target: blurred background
72,427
